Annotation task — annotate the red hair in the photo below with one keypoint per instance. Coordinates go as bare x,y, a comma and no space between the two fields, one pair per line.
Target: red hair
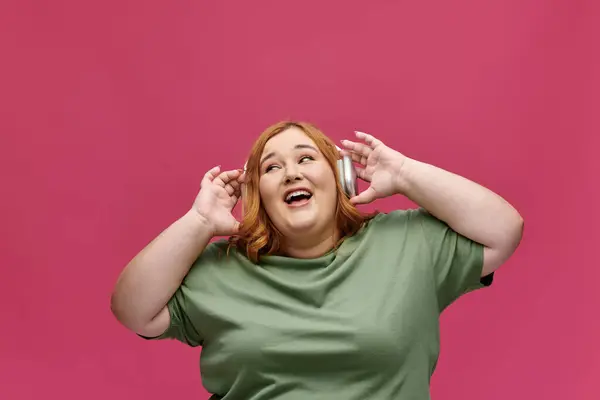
257,235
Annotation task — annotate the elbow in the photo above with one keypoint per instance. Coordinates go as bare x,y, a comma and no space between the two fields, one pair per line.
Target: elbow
517,230
119,311
513,235
127,313
122,305
115,307
496,256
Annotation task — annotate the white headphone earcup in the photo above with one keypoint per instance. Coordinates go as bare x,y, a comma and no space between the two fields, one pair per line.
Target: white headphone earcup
340,171
340,167
347,175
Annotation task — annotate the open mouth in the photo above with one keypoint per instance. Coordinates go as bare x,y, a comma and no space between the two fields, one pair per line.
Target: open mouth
297,197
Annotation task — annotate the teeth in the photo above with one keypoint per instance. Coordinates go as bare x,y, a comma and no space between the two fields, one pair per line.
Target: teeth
297,193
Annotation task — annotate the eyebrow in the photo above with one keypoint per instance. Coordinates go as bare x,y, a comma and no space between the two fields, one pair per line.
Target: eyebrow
298,146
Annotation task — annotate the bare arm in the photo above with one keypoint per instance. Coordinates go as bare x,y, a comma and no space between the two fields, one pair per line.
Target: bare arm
140,297
148,282
468,208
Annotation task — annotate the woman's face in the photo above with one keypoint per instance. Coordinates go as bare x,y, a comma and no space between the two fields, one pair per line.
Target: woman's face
297,186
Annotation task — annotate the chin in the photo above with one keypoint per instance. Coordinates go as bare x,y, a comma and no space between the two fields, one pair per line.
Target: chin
302,224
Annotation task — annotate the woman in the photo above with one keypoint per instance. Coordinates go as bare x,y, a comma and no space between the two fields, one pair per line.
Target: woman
309,298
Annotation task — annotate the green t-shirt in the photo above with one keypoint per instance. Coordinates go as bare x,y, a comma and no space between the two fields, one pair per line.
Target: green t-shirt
360,322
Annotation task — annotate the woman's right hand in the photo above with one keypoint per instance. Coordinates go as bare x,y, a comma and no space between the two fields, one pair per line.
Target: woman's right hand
219,193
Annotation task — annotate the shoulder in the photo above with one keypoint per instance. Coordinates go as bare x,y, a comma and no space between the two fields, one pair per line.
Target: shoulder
218,258
216,249
393,231
413,219
416,227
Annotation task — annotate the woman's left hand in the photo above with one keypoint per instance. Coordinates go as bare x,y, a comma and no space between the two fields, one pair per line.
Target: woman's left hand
381,166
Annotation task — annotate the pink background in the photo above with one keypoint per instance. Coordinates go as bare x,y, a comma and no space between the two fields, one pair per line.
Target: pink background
111,112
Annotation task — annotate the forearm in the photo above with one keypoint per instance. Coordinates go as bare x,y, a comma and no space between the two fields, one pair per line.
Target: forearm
153,275
468,208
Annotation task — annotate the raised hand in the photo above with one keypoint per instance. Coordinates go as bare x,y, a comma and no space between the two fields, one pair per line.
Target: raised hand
219,193
379,165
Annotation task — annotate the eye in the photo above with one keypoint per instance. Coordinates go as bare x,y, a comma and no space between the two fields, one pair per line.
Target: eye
305,158
270,167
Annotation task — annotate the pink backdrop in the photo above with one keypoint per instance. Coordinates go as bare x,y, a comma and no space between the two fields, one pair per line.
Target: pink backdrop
111,112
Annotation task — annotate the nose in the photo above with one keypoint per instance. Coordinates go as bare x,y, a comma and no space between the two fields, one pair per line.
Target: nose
292,174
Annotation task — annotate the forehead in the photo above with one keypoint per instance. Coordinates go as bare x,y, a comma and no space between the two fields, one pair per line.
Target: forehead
287,141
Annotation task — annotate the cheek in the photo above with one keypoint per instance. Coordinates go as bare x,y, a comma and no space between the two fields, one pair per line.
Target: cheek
327,182
268,194
332,188
320,174
332,194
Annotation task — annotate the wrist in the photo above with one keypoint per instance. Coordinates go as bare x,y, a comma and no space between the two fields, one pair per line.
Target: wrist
199,222
402,175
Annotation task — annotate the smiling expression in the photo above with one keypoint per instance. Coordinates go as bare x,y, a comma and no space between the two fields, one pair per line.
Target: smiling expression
297,186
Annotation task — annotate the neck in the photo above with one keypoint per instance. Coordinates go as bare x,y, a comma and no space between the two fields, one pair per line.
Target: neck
310,247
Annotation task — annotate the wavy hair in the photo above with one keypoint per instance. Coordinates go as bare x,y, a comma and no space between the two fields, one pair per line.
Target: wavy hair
258,235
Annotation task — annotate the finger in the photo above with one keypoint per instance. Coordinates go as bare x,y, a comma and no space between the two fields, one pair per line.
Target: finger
233,187
234,183
357,147
225,177
362,174
210,175
238,184
358,158
368,139
237,194
343,152
364,197
236,227
229,189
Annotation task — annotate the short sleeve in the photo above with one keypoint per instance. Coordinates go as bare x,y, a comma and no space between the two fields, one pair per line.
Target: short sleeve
457,260
182,306
181,327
